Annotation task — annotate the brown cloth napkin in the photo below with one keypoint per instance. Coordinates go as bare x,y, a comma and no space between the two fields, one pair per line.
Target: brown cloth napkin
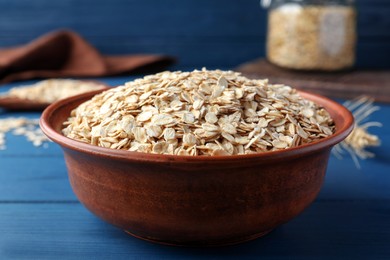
66,54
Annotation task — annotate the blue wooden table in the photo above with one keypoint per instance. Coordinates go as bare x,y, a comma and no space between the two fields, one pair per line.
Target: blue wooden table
40,217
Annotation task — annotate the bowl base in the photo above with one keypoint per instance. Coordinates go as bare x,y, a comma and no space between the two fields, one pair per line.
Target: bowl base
205,243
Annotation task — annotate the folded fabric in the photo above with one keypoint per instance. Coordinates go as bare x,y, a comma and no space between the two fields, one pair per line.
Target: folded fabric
66,54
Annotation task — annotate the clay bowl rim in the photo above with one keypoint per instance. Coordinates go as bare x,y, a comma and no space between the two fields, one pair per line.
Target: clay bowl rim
48,118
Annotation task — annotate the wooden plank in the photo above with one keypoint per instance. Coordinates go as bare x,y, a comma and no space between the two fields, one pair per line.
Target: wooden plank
31,179
344,181
151,17
373,54
19,146
210,33
347,84
326,230
228,52
27,178
136,17
221,52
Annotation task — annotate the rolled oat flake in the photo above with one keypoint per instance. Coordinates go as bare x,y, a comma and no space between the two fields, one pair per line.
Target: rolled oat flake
203,112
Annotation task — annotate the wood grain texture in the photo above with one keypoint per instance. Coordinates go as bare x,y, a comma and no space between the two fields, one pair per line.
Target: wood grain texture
27,178
344,84
39,179
326,230
200,33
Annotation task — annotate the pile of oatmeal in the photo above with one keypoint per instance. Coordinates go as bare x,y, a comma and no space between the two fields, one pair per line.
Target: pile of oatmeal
199,113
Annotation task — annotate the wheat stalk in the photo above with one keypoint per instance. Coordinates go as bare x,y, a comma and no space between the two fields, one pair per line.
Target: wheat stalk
360,139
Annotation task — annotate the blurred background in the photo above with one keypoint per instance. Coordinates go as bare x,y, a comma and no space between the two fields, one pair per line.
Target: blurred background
39,214
212,33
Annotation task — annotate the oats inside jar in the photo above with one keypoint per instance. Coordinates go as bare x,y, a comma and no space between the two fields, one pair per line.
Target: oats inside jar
203,112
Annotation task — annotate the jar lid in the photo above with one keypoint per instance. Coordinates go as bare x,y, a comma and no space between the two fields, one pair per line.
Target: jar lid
266,3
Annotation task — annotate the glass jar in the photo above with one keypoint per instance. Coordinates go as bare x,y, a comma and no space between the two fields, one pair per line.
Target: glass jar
311,34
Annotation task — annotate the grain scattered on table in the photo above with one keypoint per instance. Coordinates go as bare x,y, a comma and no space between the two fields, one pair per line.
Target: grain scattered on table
21,126
360,140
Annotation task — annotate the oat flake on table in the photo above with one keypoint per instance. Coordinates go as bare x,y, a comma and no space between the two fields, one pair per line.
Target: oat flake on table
22,126
199,113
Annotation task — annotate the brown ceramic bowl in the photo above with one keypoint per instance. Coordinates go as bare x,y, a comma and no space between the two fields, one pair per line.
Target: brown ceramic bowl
198,201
